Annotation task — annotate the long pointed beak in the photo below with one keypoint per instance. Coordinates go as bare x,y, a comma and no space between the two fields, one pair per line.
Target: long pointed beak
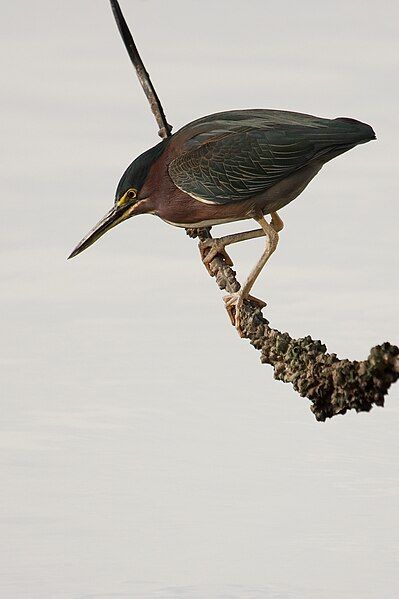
115,216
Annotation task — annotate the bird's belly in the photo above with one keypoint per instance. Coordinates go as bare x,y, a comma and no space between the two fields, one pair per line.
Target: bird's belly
204,223
287,190
182,210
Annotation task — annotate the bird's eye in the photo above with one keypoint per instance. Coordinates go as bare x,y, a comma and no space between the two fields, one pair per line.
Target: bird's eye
131,194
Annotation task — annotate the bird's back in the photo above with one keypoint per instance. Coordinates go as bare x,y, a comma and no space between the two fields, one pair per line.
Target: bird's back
230,121
234,155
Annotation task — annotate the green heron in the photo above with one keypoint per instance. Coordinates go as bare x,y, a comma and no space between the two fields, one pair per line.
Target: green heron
230,166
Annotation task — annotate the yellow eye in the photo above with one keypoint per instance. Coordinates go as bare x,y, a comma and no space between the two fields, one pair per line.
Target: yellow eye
128,197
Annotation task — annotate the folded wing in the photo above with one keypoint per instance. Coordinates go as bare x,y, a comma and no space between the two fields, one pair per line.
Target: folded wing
235,161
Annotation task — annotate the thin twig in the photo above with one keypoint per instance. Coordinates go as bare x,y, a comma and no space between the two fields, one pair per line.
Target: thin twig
144,78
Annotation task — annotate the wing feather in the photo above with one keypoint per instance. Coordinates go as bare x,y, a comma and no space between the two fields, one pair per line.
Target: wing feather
234,156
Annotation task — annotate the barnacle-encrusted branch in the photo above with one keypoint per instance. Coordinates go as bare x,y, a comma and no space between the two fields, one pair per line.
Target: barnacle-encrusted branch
332,385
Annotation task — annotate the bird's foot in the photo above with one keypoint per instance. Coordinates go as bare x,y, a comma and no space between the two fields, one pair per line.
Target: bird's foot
191,232
234,303
209,249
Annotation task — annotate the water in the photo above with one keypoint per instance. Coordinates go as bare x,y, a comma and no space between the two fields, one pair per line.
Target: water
144,451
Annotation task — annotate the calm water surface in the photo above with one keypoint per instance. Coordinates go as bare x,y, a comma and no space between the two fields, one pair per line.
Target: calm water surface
144,451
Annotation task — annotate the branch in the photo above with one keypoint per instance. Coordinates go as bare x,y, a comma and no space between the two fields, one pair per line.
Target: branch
332,385
144,78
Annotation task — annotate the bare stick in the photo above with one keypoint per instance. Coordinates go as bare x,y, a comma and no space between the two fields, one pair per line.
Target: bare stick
333,386
144,78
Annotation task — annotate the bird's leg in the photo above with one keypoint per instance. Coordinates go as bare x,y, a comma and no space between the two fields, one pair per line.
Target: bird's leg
234,301
276,222
210,248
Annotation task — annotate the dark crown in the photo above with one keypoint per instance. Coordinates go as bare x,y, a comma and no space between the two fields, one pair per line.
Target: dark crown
136,173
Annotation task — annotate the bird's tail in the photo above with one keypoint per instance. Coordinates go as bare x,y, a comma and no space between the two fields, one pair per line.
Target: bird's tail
353,131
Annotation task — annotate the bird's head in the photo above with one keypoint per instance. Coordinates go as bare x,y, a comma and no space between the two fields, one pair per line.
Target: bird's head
128,202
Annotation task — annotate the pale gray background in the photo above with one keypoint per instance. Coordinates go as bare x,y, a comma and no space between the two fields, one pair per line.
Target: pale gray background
145,452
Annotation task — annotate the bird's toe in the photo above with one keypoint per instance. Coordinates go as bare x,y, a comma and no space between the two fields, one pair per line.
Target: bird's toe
209,249
234,303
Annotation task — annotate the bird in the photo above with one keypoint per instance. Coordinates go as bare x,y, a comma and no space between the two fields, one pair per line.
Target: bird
226,167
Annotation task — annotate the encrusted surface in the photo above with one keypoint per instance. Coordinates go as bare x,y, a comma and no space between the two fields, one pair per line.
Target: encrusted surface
332,385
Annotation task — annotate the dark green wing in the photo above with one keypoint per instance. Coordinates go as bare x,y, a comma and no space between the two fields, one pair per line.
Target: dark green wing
226,166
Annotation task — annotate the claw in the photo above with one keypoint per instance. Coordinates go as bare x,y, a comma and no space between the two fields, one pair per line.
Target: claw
234,303
209,249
